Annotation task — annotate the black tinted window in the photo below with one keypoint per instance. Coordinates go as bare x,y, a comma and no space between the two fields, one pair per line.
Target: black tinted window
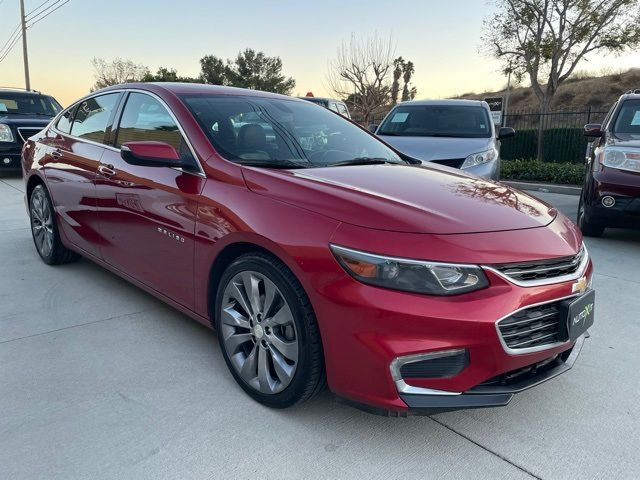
628,119
92,117
64,122
437,121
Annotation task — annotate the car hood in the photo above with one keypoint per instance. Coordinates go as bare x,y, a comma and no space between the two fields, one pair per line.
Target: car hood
417,199
437,148
25,120
626,140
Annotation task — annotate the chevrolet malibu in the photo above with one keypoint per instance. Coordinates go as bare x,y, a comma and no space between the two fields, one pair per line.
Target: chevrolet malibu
319,254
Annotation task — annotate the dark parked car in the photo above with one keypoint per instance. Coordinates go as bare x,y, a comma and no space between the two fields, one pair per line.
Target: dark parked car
611,192
316,251
22,114
330,103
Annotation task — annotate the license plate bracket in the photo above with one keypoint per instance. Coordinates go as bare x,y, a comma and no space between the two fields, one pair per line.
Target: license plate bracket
578,314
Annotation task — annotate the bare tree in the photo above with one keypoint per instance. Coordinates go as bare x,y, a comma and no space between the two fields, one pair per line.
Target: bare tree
116,71
546,39
361,73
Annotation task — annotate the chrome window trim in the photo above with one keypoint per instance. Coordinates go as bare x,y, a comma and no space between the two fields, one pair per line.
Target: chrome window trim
403,387
538,348
199,173
546,281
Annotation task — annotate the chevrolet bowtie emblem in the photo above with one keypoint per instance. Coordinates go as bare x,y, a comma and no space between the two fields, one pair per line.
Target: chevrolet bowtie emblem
580,286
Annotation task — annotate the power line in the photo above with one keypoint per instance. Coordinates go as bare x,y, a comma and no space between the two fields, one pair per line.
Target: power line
39,18
8,50
10,39
32,12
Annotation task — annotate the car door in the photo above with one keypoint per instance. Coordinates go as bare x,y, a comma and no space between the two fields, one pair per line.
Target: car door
75,147
147,214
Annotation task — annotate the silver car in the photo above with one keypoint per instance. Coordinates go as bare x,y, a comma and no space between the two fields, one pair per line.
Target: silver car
456,133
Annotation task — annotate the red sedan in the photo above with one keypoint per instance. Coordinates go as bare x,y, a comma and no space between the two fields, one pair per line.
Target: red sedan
318,253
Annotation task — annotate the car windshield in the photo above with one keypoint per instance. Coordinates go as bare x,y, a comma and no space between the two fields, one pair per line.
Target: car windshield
281,133
628,119
28,104
460,121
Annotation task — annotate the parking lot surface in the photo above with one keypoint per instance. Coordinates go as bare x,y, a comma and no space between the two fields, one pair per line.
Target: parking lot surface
100,380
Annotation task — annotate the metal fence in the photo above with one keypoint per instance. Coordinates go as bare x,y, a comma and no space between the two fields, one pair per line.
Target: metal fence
562,134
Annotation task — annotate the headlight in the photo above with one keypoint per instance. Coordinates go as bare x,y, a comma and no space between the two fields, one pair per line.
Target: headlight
432,278
480,158
622,159
5,133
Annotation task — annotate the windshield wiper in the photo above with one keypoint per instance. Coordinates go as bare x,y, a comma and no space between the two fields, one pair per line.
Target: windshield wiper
273,163
364,161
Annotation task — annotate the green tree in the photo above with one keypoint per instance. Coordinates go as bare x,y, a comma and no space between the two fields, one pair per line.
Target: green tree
398,65
408,93
545,40
250,69
213,70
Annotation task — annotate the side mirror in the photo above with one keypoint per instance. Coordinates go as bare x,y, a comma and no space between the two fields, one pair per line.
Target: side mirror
372,127
506,132
150,154
593,130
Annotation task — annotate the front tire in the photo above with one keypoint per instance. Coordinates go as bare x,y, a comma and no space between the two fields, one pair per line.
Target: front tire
589,227
268,332
44,229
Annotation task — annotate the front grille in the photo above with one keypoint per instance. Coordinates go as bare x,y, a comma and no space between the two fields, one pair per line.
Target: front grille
542,269
532,327
455,162
26,132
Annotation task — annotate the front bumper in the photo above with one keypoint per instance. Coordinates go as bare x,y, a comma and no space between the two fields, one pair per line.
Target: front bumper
481,396
365,328
624,187
10,156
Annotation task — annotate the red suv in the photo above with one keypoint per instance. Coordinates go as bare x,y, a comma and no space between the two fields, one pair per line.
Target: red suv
317,252
611,192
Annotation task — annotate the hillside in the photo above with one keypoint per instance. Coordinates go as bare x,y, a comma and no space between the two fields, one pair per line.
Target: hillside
597,91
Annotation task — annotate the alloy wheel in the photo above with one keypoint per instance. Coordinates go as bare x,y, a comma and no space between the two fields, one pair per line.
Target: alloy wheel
258,332
42,223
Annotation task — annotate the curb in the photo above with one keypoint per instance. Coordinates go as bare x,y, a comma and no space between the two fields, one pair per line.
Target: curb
545,187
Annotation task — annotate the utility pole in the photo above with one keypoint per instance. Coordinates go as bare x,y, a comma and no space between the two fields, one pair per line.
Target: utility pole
24,47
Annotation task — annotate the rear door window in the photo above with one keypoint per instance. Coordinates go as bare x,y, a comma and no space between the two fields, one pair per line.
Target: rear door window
92,117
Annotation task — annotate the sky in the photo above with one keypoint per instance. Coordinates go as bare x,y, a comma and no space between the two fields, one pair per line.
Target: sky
441,38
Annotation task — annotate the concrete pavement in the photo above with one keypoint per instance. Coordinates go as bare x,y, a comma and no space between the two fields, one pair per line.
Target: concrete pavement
100,380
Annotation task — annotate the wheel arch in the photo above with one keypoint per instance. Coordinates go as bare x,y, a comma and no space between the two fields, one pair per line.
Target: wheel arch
222,260
33,181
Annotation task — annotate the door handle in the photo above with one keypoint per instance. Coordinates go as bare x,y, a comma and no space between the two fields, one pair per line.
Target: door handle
56,154
106,170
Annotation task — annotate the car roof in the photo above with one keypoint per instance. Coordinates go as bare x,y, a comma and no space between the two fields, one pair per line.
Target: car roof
178,88
324,99
23,92
443,102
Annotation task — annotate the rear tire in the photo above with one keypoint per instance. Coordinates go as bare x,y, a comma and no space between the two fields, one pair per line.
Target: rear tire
589,227
268,332
44,229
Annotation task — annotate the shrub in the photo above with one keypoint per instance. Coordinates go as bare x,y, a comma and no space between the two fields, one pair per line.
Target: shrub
534,170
